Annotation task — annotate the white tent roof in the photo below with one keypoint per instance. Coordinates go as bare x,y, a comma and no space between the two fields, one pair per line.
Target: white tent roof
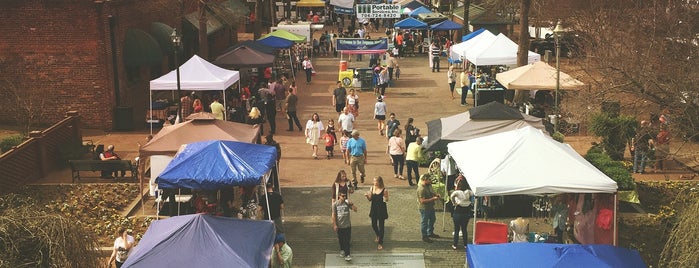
525,161
197,74
538,75
500,51
458,51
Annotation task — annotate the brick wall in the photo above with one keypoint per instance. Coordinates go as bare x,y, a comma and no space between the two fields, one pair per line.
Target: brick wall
60,50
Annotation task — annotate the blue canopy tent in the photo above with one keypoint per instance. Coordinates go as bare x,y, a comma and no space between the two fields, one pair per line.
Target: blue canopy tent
276,42
419,11
446,25
411,24
218,164
254,45
200,240
472,35
537,255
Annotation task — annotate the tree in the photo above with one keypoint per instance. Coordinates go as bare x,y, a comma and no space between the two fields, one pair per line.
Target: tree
25,105
467,4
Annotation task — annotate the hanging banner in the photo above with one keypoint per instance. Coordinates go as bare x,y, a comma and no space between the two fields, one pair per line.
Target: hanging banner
380,11
362,44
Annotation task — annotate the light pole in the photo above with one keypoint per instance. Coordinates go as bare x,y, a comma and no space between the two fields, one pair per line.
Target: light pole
176,45
557,39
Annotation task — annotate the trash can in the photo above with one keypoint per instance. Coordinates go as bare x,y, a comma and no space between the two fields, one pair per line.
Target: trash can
366,76
123,118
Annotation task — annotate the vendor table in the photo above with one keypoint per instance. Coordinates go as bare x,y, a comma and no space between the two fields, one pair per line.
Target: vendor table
486,95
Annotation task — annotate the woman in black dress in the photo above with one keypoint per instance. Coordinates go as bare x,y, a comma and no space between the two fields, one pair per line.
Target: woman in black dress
378,196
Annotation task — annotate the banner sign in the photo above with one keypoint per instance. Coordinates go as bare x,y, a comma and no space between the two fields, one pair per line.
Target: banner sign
361,44
380,11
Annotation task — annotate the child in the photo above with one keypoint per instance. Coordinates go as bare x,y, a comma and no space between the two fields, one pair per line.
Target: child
293,86
329,143
397,72
342,225
343,145
331,128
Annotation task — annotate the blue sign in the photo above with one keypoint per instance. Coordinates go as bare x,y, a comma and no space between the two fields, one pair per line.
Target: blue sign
362,44
342,10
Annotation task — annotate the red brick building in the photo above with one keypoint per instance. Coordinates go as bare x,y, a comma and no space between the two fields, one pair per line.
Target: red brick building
94,56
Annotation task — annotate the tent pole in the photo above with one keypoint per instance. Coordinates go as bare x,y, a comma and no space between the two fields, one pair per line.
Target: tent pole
150,98
475,218
225,108
615,219
179,192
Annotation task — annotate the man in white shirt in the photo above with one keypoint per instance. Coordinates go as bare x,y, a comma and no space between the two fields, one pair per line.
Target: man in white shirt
346,120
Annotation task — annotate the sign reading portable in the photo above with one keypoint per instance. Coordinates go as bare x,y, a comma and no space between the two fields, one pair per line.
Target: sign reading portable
380,11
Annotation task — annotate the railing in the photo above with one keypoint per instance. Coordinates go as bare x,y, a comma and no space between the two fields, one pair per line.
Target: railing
39,154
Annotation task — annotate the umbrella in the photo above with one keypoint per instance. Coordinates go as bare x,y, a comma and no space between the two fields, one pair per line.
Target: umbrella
539,76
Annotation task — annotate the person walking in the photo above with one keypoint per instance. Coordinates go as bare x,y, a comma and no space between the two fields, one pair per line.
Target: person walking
396,150
342,224
339,97
122,246
414,153
391,125
378,196
314,130
290,106
353,103
392,64
282,255
276,205
357,153
380,115
465,84
426,199
217,109
641,144
451,79
435,49
341,186
308,68
346,120
463,208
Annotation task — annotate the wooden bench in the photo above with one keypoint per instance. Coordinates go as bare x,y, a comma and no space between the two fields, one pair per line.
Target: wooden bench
98,165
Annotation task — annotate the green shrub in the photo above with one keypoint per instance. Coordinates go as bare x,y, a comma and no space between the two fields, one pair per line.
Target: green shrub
558,136
616,170
7,143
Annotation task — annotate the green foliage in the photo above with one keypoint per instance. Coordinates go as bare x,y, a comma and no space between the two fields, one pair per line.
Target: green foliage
558,136
7,143
428,157
615,132
616,170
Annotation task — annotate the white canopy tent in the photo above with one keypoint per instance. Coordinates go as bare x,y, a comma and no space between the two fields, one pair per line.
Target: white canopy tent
500,51
526,161
458,51
197,74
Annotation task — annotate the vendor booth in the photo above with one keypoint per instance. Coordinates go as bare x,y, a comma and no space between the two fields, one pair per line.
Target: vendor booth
169,140
479,121
352,46
219,165
525,161
537,255
204,241
196,74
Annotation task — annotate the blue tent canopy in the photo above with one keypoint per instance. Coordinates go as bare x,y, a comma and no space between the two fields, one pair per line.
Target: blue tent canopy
200,240
446,25
276,42
254,45
552,255
472,35
419,11
411,24
212,165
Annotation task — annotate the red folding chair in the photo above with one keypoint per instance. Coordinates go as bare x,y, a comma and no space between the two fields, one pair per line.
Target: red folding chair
490,233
